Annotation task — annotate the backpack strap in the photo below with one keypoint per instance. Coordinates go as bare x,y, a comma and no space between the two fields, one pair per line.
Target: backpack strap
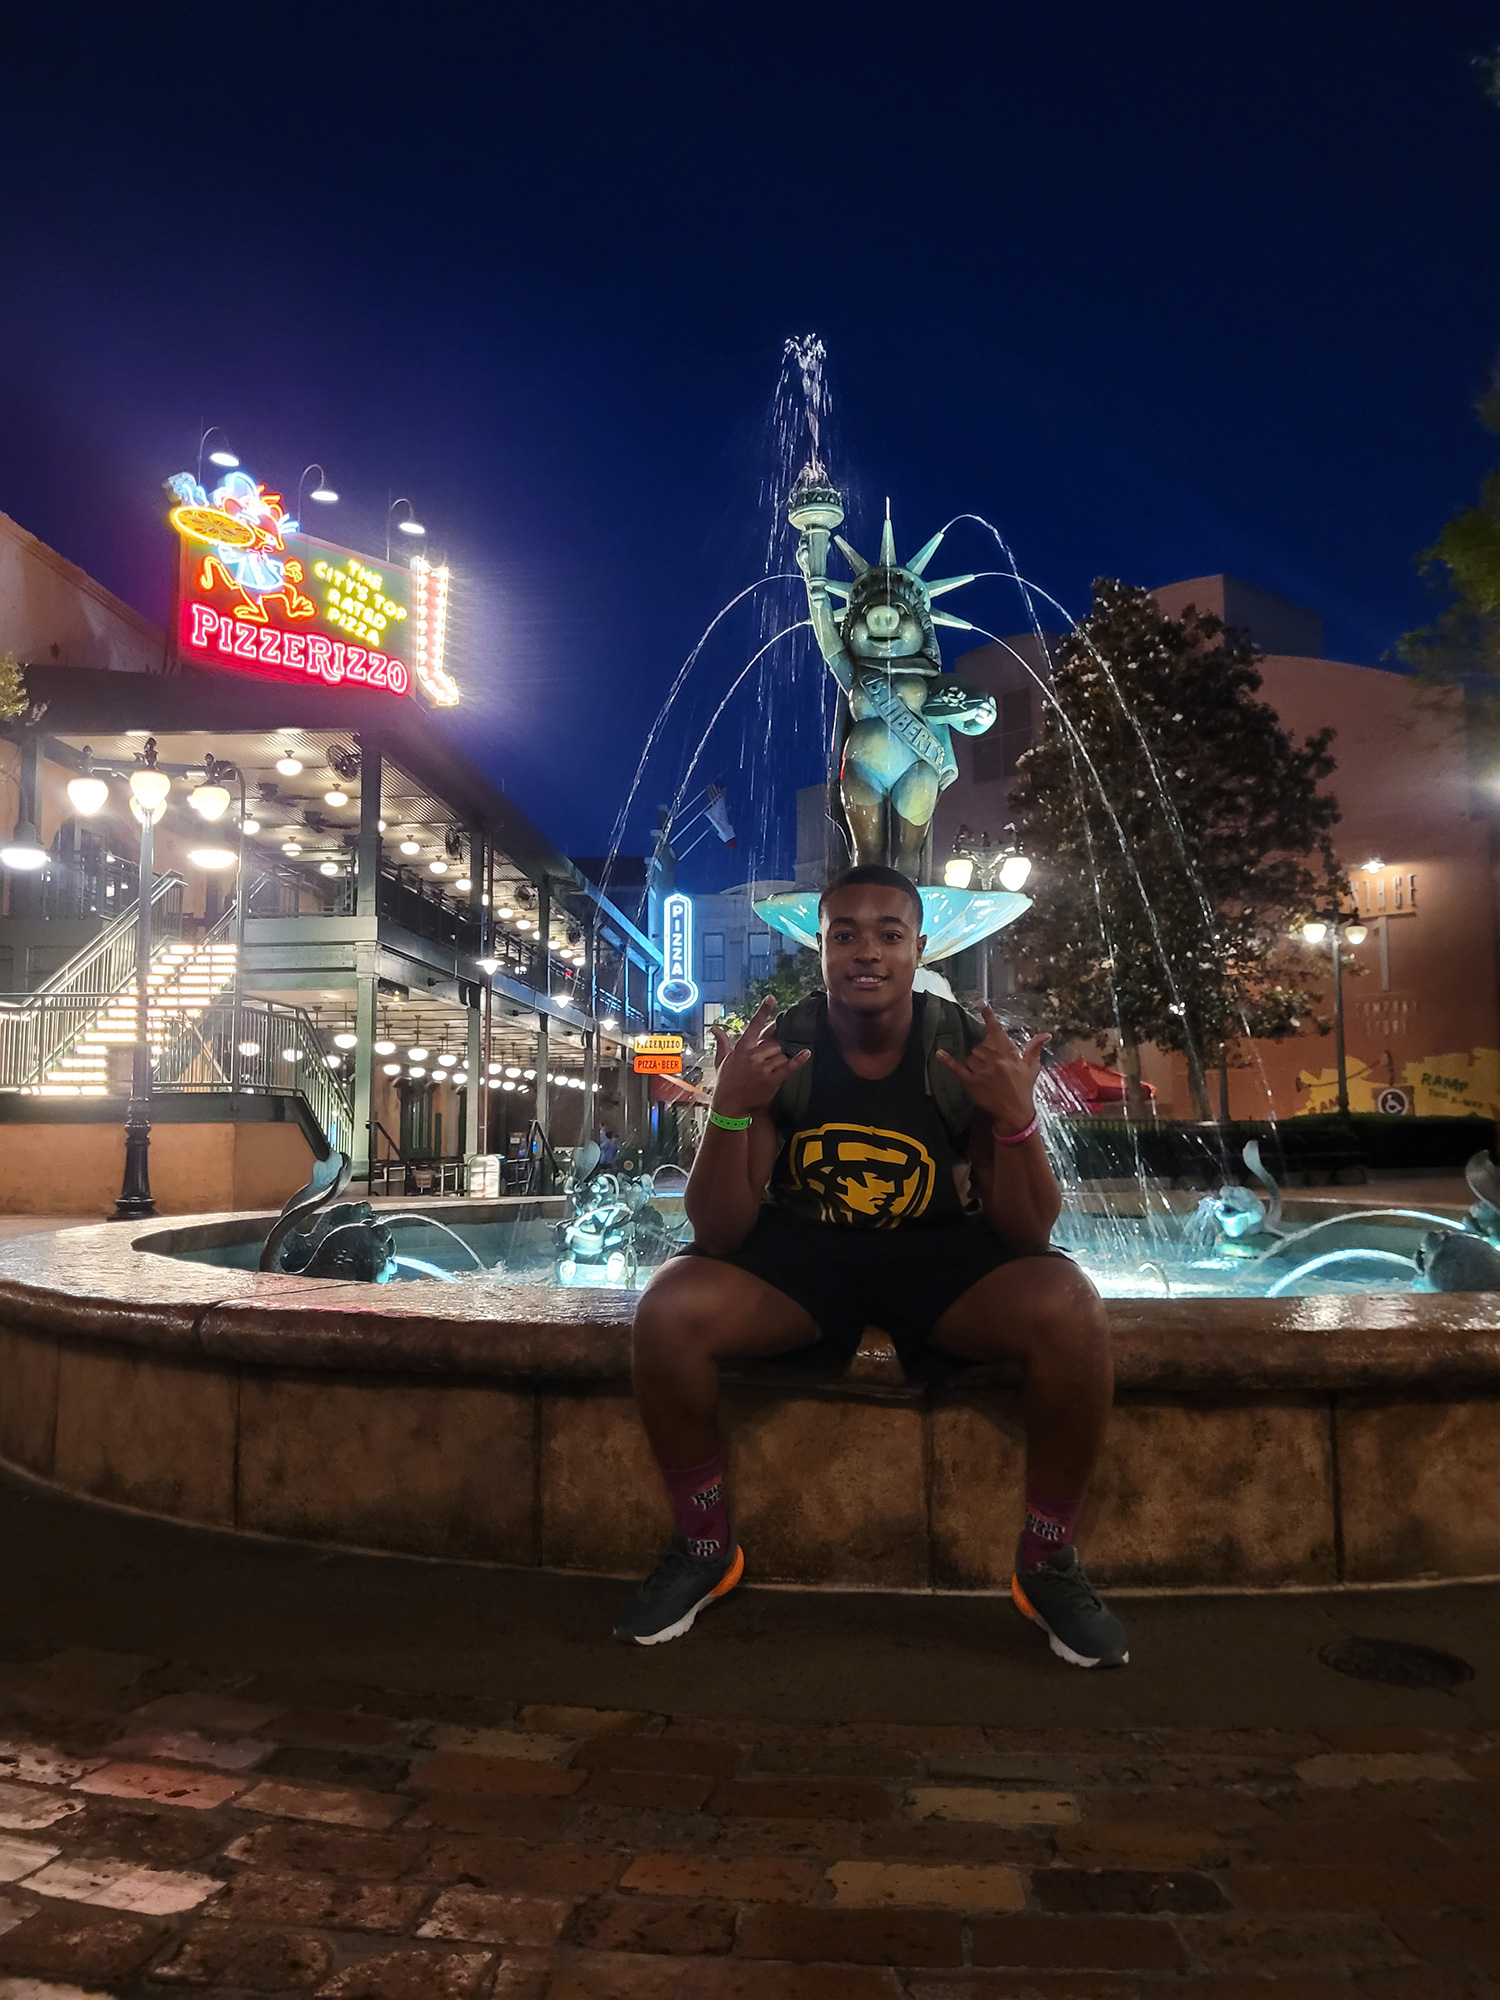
952,1028
797,1028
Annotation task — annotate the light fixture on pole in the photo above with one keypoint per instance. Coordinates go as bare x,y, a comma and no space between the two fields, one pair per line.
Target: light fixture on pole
410,526
222,456
24,851
148,797
323,493
87,793
996,864
1337,929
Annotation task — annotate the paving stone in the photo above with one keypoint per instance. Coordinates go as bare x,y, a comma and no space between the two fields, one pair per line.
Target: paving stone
1406,1842
411,1975
94,1671
131,1830
1383,1737
365,1857
1340,1769
286,1691
261,1961
880,1884
479,1813
649,1791
1184,1805
627,1976
188,1746
735,1879
1272,1945
514,1777
47,1989
318,1900
26,1807
167,1784
771,1798
562,1720
125,1885
12,1912
428,1708
520,1865
1096,1943
860,1937
345,1769
530,1746
1039,1985
654,1923
849,1760
333,1805
1367,1886
1146,1846
217,1714
488,1916
732,1979
992,1805
73,1942
657,1753
335,1729
37,1764
19,1858
1457,1938
1138,1892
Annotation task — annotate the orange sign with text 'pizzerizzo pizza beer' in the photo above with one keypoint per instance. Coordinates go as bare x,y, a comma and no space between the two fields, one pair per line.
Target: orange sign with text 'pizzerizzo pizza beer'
658,1055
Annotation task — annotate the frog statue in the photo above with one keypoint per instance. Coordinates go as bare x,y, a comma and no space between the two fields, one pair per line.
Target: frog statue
882,649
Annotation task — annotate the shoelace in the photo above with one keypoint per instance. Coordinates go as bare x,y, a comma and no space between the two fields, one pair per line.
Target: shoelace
1079,1586
676,1559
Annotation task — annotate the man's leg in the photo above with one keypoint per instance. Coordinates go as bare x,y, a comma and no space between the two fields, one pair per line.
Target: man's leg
695,1313
1044,1313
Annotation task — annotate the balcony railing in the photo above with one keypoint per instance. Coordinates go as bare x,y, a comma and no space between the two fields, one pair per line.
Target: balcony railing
264,1048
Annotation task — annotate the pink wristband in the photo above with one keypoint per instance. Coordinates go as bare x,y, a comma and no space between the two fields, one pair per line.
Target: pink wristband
1015,1138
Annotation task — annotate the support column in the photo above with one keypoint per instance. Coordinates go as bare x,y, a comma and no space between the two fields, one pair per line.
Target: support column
367,851
543,1048
591,1033
475,1062
362,1145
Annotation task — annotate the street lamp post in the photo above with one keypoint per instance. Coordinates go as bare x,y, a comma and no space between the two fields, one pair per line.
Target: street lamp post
148,788
997,864
216,772
410,526
1340,930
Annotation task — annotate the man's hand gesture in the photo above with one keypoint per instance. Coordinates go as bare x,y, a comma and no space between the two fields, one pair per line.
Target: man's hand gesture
1001,1078
752,1069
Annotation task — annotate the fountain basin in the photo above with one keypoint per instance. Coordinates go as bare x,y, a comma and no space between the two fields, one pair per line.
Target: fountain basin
1255,1443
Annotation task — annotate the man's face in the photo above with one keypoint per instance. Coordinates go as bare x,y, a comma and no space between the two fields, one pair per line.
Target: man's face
871,947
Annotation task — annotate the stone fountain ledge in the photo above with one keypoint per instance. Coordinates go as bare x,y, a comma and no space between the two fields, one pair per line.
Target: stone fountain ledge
1255,1443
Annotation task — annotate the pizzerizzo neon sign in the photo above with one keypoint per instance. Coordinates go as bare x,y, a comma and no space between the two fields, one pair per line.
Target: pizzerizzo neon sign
258,595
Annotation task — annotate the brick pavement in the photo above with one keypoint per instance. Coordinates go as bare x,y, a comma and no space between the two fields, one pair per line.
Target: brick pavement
169,1828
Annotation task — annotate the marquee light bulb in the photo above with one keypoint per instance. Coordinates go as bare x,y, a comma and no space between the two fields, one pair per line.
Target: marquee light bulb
87,795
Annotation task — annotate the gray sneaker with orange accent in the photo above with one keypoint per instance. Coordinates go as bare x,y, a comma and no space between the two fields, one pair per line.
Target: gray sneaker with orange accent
682,1583
1058,1596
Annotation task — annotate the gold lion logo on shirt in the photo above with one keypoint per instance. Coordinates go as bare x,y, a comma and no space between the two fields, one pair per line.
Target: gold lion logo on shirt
861,1176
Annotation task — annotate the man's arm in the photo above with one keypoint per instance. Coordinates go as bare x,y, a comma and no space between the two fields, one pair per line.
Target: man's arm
729,1176
1017,1188
1016,1185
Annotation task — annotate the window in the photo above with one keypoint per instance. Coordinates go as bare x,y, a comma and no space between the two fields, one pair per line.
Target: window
999,750
759,943
713,958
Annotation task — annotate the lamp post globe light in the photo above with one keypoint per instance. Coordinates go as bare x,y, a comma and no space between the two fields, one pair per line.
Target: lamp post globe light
997,864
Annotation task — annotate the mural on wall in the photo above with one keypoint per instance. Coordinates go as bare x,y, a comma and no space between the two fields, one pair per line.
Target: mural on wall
1445,1086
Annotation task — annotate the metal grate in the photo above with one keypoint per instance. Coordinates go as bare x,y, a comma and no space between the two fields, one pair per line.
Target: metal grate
1395,1663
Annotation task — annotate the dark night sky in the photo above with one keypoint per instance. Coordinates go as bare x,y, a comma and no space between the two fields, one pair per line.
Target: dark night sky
1162,288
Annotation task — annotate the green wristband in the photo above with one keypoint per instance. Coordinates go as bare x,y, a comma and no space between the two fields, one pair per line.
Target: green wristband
728,1124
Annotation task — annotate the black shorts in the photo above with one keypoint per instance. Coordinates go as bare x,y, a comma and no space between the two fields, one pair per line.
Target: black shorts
901,1280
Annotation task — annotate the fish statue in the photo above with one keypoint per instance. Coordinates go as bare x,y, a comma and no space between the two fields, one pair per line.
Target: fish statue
1483,1175
1451,1260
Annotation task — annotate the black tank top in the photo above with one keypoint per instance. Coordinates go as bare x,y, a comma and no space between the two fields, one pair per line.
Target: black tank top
867,1154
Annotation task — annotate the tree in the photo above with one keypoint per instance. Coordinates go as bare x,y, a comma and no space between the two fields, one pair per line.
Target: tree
14,700
1464,639
1178,832
792,977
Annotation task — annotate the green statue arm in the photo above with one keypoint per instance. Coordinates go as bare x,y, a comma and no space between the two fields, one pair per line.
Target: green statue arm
971,711
812,552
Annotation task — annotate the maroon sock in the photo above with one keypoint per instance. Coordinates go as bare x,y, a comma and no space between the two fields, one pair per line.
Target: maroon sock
700,1505
1049,1527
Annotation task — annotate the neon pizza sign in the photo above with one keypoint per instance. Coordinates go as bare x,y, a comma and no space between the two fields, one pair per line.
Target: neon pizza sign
258,596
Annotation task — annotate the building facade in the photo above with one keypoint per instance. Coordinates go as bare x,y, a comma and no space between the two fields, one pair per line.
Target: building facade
1415,837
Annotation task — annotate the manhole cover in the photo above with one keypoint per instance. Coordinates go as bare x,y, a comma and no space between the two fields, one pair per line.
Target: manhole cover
1395,1663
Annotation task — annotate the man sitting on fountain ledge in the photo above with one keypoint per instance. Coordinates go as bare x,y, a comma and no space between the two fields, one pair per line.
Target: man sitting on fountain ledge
836,1188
